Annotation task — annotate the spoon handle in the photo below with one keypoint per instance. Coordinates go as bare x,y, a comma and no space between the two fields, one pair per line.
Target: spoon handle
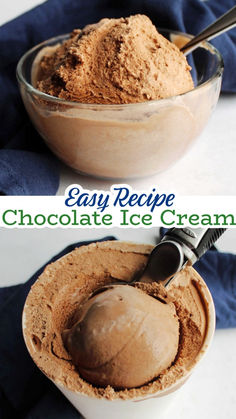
195,242
223,24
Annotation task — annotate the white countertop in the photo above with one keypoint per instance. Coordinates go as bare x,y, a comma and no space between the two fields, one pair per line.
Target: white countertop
208,168
210,392
13,8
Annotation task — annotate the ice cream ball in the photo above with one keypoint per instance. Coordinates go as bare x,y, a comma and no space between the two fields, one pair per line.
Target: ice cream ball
123,337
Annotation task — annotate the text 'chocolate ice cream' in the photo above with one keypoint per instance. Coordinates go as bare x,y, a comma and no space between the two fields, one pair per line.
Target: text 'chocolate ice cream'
123,337
114,61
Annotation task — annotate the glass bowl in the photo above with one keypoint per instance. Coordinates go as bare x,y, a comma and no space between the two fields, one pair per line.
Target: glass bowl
127,140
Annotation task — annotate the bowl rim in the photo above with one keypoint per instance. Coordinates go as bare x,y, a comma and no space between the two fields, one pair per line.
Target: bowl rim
50,98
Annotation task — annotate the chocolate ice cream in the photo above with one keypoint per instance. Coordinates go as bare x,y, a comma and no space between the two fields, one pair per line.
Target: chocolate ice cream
123,337
115,61
60,298
100,69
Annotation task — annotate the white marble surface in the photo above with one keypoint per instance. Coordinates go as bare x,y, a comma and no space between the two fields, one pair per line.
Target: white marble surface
210,392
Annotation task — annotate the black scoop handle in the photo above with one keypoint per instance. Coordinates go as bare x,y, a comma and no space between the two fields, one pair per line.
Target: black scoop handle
195,241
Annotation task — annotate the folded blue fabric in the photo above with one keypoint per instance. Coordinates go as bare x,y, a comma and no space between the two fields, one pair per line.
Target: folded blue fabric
26,393
26,166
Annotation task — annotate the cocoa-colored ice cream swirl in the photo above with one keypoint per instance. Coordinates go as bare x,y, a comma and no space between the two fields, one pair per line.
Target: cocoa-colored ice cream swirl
115,61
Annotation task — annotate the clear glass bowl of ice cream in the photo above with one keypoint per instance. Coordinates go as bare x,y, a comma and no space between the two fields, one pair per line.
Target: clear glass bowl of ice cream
124,140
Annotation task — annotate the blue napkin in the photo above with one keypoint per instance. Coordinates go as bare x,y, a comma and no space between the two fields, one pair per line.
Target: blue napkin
26,165
26,393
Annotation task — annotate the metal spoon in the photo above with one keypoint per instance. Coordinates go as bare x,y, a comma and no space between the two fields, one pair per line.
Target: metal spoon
178,247
222,24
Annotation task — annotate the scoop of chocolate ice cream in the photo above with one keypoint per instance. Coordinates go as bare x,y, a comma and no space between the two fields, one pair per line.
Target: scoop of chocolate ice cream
115,61
123,337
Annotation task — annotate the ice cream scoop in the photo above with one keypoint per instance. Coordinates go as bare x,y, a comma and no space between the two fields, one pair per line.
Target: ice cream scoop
178,247
123,337
60,292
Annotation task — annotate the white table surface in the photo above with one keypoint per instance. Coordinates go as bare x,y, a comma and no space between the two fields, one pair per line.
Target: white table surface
208,168
210,392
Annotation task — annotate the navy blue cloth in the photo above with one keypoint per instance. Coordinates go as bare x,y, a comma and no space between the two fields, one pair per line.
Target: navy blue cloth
219,272
26,165
26,393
